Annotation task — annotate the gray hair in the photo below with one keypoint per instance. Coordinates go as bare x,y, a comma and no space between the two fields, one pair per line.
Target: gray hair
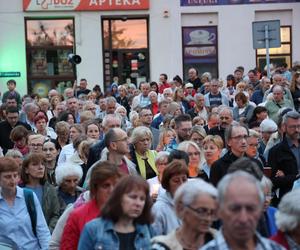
13,153
291,114
67,169
184,146
253,133
266,183
139,132
30,106
229,178
225,108
190,190
109,117
110,99
288,214
161,155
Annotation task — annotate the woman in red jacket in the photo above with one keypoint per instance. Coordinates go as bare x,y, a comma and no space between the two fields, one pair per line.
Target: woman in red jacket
103,179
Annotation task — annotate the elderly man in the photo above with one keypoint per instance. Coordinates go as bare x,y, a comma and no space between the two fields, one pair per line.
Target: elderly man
163,80
30,110
288,221
214,97
241,200
236,141
199,109
142,100
109,121
225,120
194,78
73,107
277,103
258,95
284,158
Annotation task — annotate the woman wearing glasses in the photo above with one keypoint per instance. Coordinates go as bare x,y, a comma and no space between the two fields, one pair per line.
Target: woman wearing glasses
196,205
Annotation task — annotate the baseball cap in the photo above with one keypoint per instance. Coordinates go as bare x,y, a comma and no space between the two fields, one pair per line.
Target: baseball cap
189,85
268,125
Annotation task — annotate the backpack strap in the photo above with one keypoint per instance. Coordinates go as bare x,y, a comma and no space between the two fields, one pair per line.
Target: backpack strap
28,194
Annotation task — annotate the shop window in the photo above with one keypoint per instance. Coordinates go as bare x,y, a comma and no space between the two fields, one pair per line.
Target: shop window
280,55
200,49
125,50
48,44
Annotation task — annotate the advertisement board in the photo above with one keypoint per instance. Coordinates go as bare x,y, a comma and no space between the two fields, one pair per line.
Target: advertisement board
231,2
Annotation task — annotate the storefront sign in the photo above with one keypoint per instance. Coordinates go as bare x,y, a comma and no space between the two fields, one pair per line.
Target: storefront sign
230,2
84,5
10,74
199,51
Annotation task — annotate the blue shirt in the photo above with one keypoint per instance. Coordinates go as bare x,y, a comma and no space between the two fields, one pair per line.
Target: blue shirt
296,152
15,223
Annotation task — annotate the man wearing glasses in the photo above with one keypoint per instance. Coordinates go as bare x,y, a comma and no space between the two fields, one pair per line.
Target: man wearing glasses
236,141
241,201
284,158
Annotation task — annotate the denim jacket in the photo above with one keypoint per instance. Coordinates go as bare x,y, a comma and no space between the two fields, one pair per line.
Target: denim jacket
100,234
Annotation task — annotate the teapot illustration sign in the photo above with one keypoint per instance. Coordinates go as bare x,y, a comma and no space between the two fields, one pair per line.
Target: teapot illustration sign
201,36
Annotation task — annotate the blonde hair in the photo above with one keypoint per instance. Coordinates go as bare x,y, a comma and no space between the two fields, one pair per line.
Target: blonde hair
215,139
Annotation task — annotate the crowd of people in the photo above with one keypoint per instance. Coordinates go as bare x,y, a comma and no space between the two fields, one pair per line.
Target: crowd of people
204,164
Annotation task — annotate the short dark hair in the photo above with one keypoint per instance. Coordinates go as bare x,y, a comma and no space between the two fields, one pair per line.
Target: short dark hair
182,118
11,81
176,154
110,136
32,158
248,165
177,78
112,209
64,116
19,132
174,168
252,71
8,164
241,96
100,173
11,109
165,75
229,130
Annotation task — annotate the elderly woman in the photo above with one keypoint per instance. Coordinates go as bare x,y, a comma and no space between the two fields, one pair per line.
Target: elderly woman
212,147
166,220
19,135
40,121
153,102
194,154
197,135
141,155
288,221
50,153
67,177
174,109
161,161
196,206
243,110
16,155
34,177
104,177
252,149
125,124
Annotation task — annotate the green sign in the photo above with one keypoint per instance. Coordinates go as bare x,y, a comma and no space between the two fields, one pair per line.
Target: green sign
10,74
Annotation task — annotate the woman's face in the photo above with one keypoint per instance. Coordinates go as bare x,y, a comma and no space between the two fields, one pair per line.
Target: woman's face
239,103
21,143
133,203
70,119
143,144
63,134
105,189
74,133
200,214
161,165
69,184
41,125
168,137
194,156
55,101
211,152
180,93
35,170
154,88
122,112
252,146
93,131
268,197
176,181
44,106
262,115
50,151
198,139
177,111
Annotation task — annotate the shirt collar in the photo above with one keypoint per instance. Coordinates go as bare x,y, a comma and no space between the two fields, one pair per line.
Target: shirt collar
19,193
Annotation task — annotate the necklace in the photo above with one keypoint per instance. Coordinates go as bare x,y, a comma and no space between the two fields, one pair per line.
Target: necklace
185,245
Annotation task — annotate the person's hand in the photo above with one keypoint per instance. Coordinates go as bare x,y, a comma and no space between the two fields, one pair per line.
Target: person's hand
154,197
75,84
279,173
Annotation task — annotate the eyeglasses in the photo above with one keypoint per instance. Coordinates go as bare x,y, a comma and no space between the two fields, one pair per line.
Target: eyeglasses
225,118
240,137
203,212
293,126
36,145
186,129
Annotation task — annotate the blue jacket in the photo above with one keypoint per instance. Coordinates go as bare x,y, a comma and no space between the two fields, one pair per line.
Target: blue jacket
100,234
271,220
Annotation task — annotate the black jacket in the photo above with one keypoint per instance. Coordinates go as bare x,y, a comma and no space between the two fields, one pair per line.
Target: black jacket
95,153
282,158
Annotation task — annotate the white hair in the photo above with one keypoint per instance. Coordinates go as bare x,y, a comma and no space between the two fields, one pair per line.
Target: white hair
266,183
184,146
242,176
190,190
161,155
67,169
288,214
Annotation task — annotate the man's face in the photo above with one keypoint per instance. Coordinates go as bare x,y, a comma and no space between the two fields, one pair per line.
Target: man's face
240,211
266,84
225,119
162,79
72,105
102,104
9,180
238,75
31,113
213,121
200,102
12,118
238,141
163,108
145,88
122,143
82,85
112,123
11,103
277,95
252,77
292,128
110,108
214,88
69,184
184,131
278,80
192,74
146,117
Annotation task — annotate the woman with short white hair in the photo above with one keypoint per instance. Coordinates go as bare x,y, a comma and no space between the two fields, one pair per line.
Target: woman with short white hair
288,221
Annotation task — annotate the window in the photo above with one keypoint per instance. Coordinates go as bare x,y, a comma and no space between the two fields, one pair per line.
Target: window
200,49
48,43
280,55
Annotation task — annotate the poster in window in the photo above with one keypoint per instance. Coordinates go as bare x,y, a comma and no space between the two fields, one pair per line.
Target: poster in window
64,67
199,35
39,62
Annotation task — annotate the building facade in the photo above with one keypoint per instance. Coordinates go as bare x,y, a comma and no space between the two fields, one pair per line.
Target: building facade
135,40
